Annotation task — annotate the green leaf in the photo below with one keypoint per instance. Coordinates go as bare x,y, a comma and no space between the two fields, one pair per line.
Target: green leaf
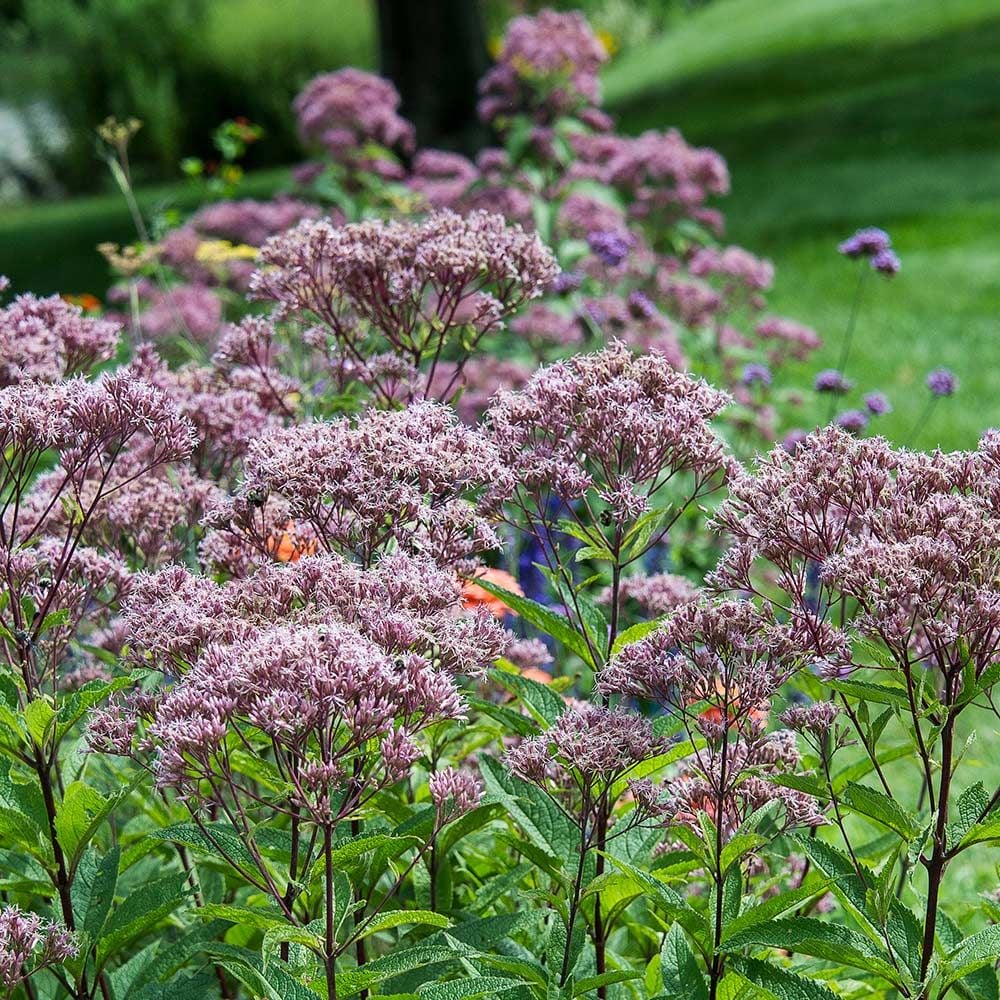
588,987
555,625
540,700
978,951
222,834
882,694
682,978
774,907
348,851
404,918
827,941
395,963
544,823
74,815
262,918
140,912
878,806
248,967
971,805
634,633
93,890
461,989
779,984
38,714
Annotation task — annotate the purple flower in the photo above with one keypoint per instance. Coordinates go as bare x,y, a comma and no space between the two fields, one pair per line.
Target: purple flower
609,247
867,242
756,374
942,382
877,404
794,440
641,305
852,421
831,380
567,281
886,262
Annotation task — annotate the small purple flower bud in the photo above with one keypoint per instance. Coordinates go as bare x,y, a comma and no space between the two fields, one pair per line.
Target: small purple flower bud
567,281
831,380
865,243
942,382
610,248
877,404
852,421
887,263
794,440
756,374
641,305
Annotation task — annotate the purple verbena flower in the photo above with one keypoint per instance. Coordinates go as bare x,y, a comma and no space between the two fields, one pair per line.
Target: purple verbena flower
942,382
877,404
756,374
852,421
831,380
866,243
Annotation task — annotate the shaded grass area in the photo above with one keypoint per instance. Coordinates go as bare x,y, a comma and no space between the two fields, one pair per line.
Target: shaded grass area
53,247
835,115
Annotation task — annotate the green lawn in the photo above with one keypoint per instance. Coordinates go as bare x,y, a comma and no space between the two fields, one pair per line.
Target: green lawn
833,114
836,114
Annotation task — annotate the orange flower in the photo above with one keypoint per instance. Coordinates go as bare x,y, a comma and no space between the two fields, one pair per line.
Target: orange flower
288,547
86,301
474,596
534,674
714,713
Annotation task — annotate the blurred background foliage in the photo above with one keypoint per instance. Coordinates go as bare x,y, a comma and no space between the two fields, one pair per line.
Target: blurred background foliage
833,114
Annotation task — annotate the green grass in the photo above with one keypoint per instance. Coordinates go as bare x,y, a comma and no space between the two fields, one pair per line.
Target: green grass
836,114
833,114
51,247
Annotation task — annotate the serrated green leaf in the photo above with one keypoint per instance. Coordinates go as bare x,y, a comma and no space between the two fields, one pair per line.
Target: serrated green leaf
682,977
555,625
403,918
978,951
540,700
878,806
780,984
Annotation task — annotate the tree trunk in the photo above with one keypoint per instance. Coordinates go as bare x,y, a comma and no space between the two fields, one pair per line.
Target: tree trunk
434,51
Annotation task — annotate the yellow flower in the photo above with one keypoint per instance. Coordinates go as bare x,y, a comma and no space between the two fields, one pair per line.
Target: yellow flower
222,251
608,40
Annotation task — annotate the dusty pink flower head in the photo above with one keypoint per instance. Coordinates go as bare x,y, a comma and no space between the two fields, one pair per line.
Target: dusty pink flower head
736,266
226,414
454,792
721,662
193,312
788,336
50,339
442,178
403,478
548,65
637,322
345,110
596,742
817,718
28,943
656,594
405,287
609,427
661,174
252,222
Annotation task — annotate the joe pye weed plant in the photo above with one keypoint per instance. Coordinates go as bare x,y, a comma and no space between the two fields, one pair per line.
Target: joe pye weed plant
405,596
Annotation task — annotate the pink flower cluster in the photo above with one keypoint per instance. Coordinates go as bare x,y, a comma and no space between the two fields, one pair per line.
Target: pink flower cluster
548,64
28,944
51,339
344,111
